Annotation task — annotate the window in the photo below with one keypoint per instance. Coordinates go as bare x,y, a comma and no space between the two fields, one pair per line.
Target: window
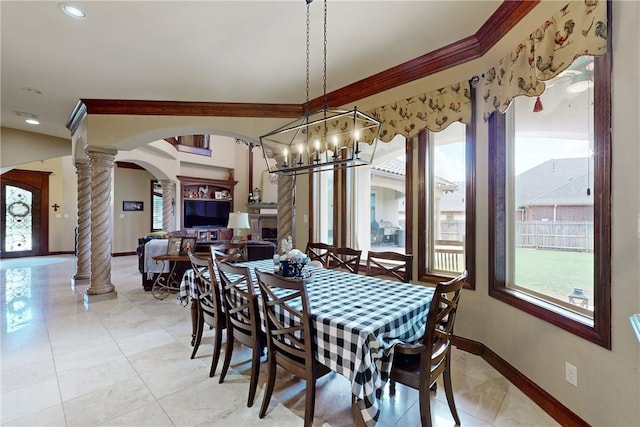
446,215
380,200
549,184
156,203
323,208
446,200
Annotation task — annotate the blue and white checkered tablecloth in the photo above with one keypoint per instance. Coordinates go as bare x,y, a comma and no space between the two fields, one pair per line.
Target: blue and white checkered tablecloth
357,320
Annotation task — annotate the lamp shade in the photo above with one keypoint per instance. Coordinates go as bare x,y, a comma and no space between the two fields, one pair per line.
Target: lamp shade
238,220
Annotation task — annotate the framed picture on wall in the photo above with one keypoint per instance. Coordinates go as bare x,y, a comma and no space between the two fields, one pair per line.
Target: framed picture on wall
188,245
174,245
129,205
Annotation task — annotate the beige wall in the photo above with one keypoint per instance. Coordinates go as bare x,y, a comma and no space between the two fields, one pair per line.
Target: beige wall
63,192
608,392
131,185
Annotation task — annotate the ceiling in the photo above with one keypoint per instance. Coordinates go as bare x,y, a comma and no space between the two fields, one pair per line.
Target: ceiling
217,51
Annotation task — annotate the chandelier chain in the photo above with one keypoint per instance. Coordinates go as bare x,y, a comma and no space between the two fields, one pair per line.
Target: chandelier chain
306,105
324,62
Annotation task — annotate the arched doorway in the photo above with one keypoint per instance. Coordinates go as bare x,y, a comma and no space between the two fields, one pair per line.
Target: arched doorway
24,197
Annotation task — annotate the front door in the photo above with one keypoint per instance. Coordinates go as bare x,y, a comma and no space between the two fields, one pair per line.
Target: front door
24,230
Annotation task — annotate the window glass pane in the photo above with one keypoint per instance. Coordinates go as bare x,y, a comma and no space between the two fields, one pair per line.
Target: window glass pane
157,207
552,203
19,219
324,209
380,199
447,202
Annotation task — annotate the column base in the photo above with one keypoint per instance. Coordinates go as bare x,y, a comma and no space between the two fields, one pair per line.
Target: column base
82,276
92,298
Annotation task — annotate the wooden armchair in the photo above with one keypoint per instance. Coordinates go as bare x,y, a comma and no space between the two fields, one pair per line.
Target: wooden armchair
243,319
317,251
229,252
290,343
344,258
418,365
393,264
209,306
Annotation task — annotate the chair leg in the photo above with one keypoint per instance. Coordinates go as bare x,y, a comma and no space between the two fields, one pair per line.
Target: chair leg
228,350
448,390
271,379
199,329
425,405
217,344
310,403
255,372
392,387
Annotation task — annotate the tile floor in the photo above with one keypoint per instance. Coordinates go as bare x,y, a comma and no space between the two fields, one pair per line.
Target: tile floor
125,362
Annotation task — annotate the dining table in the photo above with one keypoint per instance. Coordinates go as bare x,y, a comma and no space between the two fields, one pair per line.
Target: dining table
356,322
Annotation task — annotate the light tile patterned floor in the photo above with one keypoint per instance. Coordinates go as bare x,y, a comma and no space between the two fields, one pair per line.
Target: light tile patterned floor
125,362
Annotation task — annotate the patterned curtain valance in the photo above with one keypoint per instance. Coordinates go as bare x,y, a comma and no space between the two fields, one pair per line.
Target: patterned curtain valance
579,28
434,110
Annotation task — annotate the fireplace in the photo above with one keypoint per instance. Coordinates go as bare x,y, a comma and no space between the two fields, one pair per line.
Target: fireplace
263,218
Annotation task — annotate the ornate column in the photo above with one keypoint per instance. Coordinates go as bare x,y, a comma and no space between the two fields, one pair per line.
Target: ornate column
286,208
101,171
168,204
83,237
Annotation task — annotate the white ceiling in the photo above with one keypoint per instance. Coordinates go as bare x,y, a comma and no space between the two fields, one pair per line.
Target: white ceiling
218,51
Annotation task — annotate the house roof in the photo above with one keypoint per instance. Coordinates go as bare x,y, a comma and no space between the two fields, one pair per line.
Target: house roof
556,181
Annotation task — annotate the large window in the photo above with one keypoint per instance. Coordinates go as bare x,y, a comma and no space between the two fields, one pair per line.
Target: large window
549,201
380,198
446,215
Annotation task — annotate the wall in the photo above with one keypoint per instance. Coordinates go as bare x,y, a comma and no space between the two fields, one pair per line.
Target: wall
131,185
63,192
608,389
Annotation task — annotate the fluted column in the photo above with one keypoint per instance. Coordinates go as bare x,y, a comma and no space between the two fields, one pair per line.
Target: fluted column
168,204
83,237
101,169
286,208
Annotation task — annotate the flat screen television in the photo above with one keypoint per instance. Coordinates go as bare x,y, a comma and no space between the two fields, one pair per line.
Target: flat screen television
206,213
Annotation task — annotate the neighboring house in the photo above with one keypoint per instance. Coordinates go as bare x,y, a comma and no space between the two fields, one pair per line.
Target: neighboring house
539,197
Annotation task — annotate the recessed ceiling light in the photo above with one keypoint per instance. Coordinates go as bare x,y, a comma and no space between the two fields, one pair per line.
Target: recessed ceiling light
72,11
30,118
32,90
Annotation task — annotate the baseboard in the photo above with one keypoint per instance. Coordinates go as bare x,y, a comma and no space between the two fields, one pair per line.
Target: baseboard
122,254
544,400
61,253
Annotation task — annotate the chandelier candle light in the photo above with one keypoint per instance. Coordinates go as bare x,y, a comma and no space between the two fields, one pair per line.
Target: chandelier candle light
324,139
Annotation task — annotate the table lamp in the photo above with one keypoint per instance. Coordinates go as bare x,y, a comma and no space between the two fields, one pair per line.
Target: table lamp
238,221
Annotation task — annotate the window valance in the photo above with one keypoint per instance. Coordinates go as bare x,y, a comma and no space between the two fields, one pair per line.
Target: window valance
434,110
579,28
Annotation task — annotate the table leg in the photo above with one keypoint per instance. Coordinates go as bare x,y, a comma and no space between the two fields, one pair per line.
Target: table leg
159,288
194,320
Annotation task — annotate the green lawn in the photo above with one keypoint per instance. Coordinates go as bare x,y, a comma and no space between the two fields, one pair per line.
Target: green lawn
554,273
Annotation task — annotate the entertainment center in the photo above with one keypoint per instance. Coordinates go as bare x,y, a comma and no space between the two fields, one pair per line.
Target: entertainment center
205,205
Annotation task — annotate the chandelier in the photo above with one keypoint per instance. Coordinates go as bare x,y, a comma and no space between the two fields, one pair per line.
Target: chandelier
324,139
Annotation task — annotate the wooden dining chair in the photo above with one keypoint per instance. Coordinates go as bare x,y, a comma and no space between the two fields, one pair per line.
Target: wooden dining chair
344,259
418,365
243,319
393,264
290,343
208,308
229,251
317,251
